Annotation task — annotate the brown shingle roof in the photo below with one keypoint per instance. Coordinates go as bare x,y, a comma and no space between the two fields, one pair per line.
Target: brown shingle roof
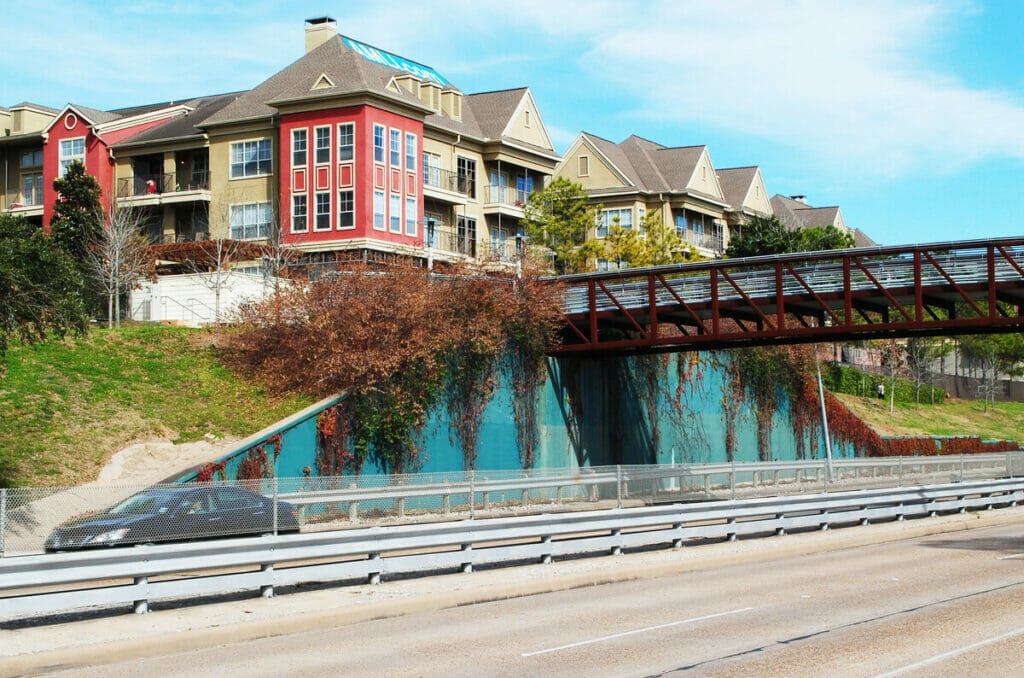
735,183
493,110
187,125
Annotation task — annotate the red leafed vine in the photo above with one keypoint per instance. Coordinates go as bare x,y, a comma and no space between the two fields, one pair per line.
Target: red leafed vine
256,464
212,471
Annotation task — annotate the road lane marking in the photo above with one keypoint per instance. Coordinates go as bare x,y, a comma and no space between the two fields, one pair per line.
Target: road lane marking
952,653
636,631
1015,555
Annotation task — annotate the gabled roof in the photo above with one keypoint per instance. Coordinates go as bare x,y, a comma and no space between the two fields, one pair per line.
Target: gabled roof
37,107
350,73
797,214
615,156
183,126
493,110
736,183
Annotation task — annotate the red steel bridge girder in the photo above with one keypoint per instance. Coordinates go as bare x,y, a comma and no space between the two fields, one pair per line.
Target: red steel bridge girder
971,287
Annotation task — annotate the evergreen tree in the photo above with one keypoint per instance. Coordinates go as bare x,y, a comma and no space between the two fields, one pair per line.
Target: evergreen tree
78,214
40,285
558,218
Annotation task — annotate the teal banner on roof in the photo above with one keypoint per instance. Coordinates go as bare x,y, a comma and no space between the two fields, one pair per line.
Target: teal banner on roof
394,61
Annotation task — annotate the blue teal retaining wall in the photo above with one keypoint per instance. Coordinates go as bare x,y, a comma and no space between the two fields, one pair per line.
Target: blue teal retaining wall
590,412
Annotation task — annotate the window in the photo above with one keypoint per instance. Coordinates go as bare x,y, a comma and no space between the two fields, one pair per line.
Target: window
323,145
410,152
466,176
33,189
346,141
583,166
465,234
298,148
378,143
526,118
410,216
323,212
300,213
432,170
378,210
251,222
71,150
623,218
250,158
524,187
32,158
396,148
396,213
346,209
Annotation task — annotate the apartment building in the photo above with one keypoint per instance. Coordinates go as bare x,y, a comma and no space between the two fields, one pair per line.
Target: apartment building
21,158
795,212
637,177
349,152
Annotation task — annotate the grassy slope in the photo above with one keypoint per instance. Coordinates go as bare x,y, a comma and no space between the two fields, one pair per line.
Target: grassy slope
66,406
952,417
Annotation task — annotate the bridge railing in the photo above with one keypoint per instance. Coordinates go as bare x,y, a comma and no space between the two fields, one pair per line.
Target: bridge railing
28,516
134,576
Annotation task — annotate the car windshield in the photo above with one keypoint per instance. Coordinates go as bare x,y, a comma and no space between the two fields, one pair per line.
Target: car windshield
144,503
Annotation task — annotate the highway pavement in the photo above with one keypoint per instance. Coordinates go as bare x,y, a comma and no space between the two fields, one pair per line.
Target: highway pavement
938,596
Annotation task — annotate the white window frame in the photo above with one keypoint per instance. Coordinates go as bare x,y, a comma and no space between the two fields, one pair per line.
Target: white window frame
322,208
607,218
379,139
325,147
262,215
304,150
346,198
395,205
259,145
379,210
304,214
411,150
395,147
411,212
346,151
67,157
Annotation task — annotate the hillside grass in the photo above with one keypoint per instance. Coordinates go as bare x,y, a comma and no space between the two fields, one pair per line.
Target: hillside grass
67,406
952,417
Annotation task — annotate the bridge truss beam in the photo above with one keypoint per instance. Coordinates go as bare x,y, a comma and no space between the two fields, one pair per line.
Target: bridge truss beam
972,287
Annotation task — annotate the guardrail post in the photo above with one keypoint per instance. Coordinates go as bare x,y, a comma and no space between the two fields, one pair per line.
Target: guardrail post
677,541
3,519
472,494
546,543
732,479
780,531
617,548
618,485
374,577
901,470
141,606
275,506
267,590
446,503
353,506
731,536
467,558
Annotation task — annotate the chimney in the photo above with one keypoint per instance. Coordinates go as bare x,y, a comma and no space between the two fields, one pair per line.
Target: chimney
318,31
799,198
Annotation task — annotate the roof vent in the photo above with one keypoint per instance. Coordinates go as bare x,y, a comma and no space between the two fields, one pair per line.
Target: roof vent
318,31
799,198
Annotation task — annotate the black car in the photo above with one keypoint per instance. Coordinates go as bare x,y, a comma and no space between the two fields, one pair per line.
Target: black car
176,514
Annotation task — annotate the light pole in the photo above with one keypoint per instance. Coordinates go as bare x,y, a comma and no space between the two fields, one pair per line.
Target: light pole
430,244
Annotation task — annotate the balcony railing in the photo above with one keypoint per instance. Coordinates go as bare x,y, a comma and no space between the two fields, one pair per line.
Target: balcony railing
496,250
447,241
707,242
19,200
506,195
142,185
446,180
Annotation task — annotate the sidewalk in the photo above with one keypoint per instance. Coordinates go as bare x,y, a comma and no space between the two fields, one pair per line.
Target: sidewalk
97,637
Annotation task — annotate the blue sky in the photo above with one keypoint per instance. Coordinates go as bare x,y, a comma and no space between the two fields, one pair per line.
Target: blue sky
909,115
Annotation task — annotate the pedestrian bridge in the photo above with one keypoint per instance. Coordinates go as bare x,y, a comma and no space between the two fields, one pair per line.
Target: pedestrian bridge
970,287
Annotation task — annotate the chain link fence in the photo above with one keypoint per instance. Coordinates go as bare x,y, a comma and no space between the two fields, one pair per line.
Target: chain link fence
33,520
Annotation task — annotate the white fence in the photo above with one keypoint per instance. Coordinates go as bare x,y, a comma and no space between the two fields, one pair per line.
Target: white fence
49,583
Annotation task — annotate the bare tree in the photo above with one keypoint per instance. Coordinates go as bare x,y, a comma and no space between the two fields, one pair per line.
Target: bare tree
212,267
117,258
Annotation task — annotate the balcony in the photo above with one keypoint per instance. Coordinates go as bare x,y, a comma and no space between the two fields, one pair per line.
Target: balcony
24,205
708,245
503,251
445,185
505,200
163,189
449,242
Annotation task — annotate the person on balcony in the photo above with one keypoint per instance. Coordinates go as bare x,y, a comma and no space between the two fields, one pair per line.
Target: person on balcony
150,186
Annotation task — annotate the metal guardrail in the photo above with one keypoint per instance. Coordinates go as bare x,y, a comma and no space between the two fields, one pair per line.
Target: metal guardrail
29,515
41,584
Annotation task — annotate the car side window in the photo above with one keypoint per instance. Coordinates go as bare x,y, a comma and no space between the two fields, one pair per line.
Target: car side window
194,505
230,498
